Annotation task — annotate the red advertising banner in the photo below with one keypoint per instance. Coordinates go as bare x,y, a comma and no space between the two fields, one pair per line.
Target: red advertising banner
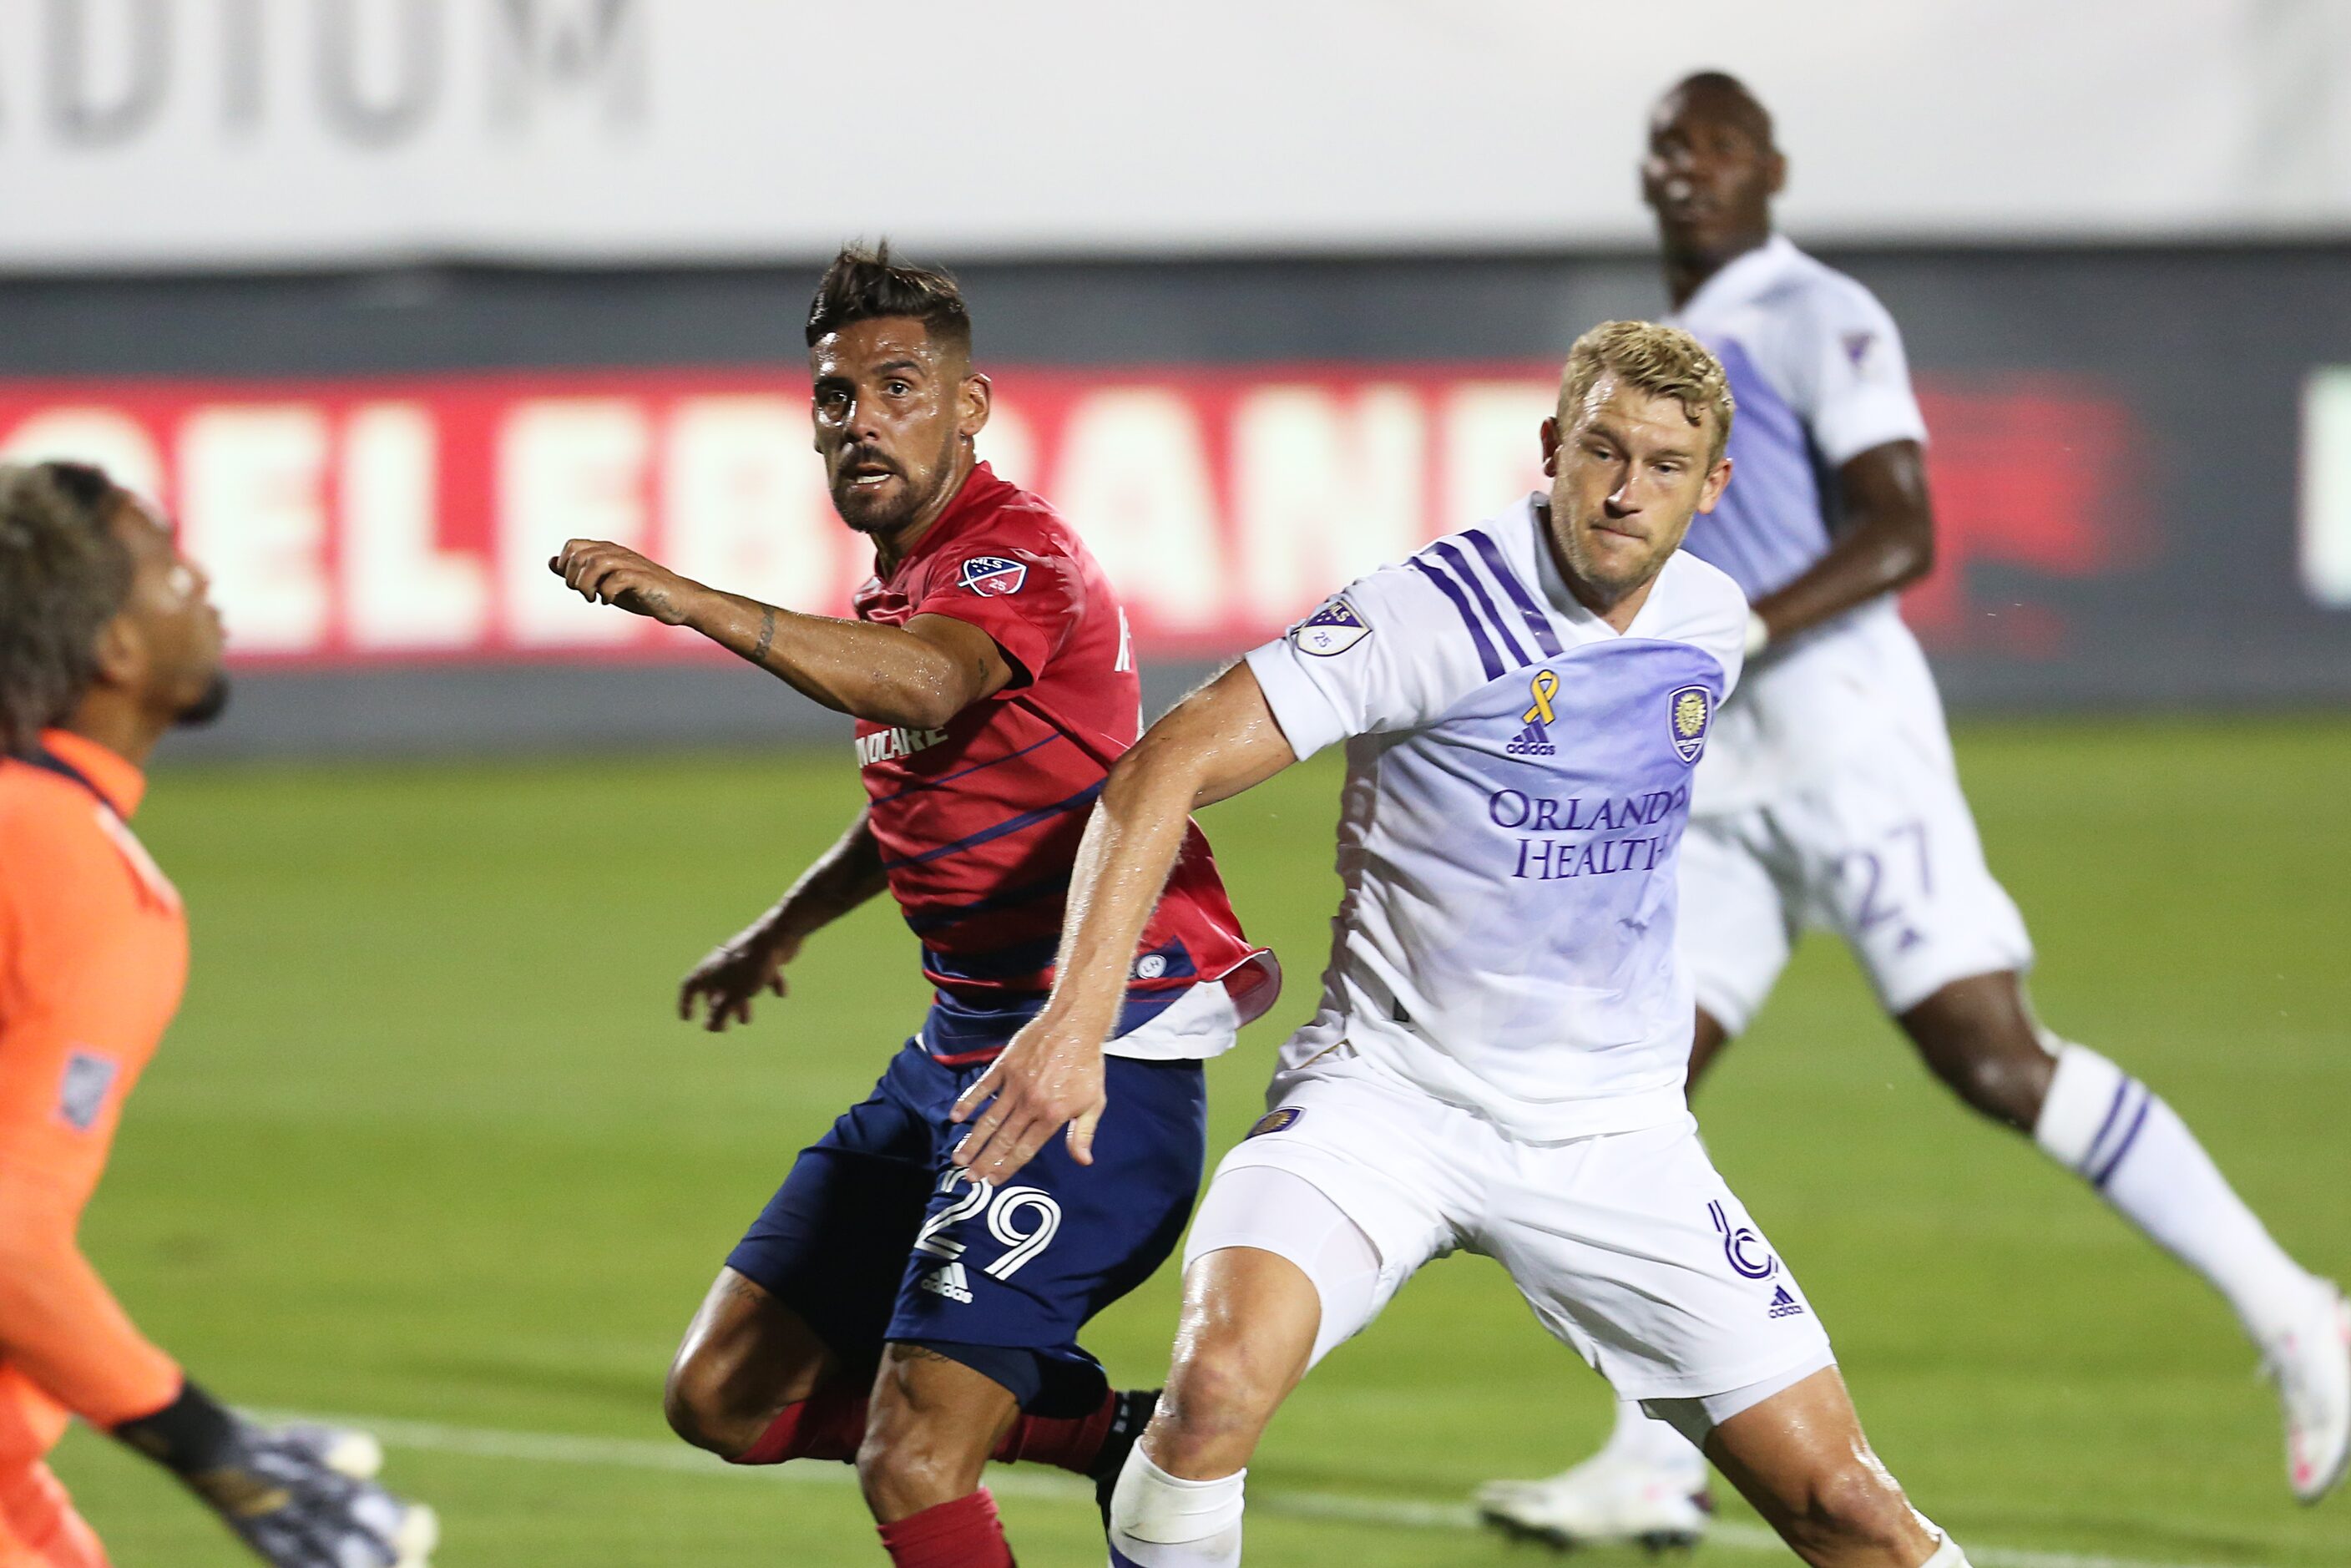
400,519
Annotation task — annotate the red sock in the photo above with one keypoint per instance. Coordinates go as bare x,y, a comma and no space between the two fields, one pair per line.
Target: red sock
964,1533
1070,1445
827,1425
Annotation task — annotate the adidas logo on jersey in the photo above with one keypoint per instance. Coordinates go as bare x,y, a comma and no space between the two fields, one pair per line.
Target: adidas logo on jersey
1784,1305
1531,741
948,1280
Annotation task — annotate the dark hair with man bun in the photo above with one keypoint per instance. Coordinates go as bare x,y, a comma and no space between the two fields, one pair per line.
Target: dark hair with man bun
862,285
64,573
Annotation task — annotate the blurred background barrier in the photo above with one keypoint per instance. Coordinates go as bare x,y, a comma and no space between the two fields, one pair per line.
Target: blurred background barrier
2141,461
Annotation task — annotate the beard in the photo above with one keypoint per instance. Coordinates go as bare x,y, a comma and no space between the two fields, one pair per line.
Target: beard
874,516
208,705
871,515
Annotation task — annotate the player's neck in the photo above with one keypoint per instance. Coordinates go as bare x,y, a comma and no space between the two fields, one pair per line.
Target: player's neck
1617,612
112,720
1687,271
892,550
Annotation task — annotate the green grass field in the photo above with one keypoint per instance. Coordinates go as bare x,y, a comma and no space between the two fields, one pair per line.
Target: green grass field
427,1147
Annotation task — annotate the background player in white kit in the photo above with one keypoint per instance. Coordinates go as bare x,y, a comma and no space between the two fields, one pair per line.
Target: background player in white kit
1498,1062
1829,799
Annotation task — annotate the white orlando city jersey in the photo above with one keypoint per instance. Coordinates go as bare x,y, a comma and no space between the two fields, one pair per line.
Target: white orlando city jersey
1518,780
1818,370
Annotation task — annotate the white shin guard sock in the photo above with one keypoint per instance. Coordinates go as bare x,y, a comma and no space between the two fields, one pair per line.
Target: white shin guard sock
2112,1129
1159,1520
1947,1556
1641,1439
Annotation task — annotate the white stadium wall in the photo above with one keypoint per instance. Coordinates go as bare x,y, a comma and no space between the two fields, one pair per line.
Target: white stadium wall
146,133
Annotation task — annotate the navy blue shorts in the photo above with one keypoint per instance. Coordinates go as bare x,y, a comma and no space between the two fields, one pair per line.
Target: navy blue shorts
873,1237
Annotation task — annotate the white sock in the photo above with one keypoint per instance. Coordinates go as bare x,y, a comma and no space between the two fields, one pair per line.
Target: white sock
1653,1445
1159,1520
2113,1131
1947,1556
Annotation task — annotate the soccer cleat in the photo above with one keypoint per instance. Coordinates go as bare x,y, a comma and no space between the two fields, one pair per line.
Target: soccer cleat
1132,1415
2311,1363
1607,1500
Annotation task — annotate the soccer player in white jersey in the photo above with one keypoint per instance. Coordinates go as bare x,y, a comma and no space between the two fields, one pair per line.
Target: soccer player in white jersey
1496,1065
1828,798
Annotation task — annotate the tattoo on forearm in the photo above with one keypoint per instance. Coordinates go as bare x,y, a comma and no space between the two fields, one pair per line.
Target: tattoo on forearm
767,636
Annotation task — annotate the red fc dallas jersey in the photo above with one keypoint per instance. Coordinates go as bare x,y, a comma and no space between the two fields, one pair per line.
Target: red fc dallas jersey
978,821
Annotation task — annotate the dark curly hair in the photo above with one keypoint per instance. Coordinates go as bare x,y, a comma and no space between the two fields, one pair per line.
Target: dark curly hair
64,573
862,285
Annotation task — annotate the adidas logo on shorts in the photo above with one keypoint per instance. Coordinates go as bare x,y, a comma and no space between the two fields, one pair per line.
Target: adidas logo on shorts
1784,1305
948,1280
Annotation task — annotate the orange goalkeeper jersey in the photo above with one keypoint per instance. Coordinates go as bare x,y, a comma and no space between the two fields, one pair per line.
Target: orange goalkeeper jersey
93,956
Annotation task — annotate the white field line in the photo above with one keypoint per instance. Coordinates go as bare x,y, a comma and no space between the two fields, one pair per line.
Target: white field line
638,1453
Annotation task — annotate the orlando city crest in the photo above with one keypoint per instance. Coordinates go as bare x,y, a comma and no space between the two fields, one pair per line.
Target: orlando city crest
1275,1122
1688,710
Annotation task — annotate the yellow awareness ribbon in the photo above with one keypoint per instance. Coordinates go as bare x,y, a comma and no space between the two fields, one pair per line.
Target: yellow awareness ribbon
1546,686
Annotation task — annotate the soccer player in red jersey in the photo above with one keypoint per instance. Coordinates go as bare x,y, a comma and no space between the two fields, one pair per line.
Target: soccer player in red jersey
882,1308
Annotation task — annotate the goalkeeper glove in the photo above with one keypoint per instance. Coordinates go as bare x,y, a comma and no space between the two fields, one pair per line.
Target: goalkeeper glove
281,1489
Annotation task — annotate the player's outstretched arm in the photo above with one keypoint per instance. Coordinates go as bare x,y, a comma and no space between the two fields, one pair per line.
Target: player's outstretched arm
1887,542
752,959
919,676
1217,742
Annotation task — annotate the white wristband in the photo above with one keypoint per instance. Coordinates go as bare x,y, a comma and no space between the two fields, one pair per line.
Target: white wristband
1758,635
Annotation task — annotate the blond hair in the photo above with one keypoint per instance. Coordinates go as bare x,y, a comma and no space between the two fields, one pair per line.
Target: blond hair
1663,362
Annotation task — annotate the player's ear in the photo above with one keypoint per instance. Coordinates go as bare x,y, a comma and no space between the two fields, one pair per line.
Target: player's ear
1718,479
1775,173
1550,447
122,652
975,397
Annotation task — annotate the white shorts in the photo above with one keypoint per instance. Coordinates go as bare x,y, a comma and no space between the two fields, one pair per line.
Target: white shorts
1882,850
1628,1246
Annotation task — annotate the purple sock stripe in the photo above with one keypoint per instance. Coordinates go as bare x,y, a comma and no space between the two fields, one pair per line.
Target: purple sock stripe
2146,1100
2113,1109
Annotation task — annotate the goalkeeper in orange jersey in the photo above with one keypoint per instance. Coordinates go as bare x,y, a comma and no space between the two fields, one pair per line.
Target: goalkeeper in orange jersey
106,640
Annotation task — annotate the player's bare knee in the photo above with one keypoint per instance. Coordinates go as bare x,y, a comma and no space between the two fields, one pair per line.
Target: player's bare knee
701,1406
1851,1508
1996,1077
1217,1399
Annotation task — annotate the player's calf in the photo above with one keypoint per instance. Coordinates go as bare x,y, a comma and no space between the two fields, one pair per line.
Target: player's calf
1800,1457
933,1423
